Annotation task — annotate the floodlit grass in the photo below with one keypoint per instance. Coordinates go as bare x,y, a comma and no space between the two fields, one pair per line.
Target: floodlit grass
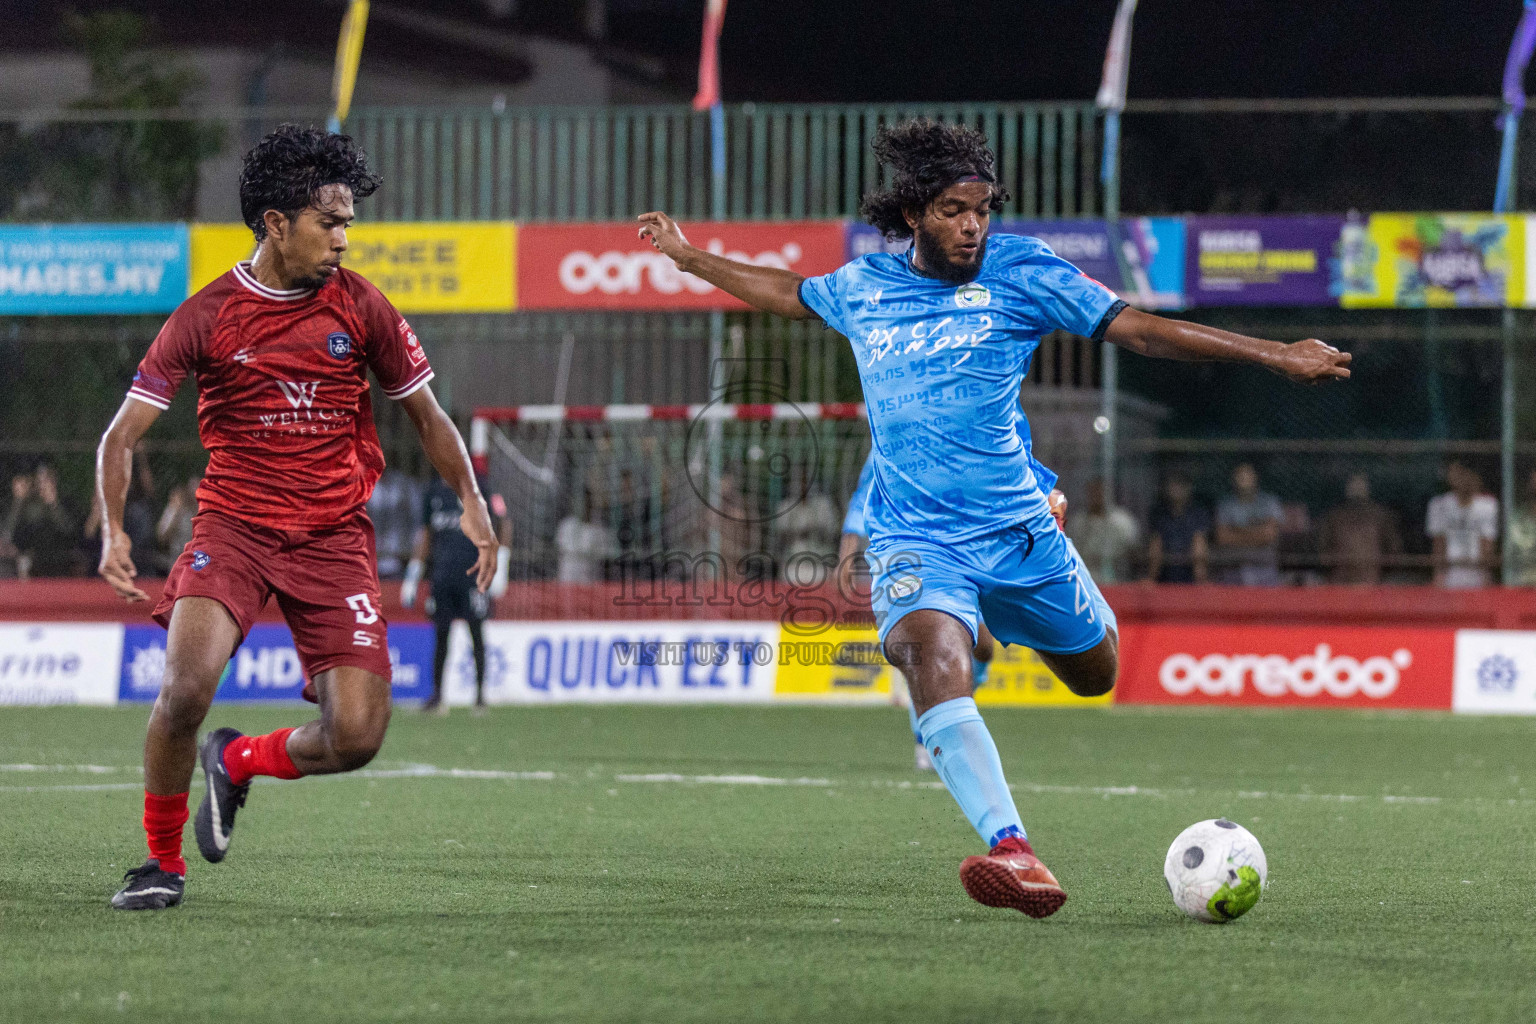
647,875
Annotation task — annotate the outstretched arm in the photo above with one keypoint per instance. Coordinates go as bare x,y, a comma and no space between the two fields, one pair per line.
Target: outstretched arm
440,439
1306,362
767,288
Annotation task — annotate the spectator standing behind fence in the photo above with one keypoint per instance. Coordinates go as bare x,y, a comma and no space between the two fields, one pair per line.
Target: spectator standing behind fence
1360,537
1522,537
1105,535
1179,549
584,544
45,531
21,490
1248,532
1462,524
175,526
395,508
138,521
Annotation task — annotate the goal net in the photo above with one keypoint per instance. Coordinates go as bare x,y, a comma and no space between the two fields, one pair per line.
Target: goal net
734,491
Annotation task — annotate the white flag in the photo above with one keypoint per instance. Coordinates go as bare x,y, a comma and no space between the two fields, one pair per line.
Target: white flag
1117,59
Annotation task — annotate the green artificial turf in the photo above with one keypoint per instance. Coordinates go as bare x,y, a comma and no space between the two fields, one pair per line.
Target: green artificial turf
1400,850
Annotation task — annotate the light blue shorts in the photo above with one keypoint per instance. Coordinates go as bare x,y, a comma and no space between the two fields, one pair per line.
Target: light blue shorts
1027,582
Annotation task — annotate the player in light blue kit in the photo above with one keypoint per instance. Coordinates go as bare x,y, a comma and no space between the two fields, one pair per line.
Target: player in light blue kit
856,538
958,518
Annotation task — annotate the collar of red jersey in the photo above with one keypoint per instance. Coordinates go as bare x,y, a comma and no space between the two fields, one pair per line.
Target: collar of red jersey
244,276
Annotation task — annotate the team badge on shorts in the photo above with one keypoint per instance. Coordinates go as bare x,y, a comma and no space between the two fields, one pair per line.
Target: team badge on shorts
904,588
339,343
200,560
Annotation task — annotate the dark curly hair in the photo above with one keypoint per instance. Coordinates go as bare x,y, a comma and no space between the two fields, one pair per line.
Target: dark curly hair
290,165
928,157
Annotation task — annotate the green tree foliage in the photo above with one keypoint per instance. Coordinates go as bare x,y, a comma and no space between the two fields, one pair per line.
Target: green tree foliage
110,170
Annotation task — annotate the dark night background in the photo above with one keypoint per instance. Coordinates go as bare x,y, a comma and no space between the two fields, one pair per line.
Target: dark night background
859,50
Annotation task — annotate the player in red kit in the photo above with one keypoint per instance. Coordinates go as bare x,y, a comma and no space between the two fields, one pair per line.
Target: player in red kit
280,348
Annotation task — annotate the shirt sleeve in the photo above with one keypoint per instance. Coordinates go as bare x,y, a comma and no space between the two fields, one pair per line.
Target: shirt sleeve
394,352
824,296
1063,298
171,357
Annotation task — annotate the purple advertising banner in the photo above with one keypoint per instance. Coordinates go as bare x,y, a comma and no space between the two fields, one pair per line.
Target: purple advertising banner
1263,261
1148,272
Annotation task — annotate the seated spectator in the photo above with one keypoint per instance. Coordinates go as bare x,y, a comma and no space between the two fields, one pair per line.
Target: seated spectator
1181,535
1522,537
1359,537
1105,536
1248,532
45,531
1462,524
21,490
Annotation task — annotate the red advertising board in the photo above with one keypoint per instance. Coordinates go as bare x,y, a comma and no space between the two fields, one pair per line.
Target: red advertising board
1290,666
609,266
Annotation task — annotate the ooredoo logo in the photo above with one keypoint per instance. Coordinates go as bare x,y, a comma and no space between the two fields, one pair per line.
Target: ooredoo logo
622,273
1275,675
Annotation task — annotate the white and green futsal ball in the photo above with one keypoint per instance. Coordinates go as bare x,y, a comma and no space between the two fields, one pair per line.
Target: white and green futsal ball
1215,871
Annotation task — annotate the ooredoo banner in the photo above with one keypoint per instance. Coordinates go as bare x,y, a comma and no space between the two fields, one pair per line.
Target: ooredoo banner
1295,666
609,266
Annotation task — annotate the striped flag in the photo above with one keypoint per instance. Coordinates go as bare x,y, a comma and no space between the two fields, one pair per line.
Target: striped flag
1117,60
709,56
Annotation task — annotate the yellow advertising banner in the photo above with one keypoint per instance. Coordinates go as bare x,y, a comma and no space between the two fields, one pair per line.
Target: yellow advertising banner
847,664
838,663
1019,677
443,267
1415,260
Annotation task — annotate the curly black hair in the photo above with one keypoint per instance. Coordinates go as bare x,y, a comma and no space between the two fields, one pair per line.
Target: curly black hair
928,157
285,170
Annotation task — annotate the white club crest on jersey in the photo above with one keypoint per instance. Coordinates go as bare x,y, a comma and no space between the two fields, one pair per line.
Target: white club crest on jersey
969,296
299,393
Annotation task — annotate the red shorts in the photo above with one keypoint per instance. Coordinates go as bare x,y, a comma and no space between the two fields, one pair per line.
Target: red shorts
326,582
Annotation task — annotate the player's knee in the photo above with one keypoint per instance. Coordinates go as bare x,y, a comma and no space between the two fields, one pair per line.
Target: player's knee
355,739
183,701
1095,680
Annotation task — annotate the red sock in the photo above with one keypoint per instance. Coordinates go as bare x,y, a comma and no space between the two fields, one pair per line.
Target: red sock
250,756
164,817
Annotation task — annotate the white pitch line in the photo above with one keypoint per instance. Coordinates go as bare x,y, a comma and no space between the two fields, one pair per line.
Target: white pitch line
428,771
723,780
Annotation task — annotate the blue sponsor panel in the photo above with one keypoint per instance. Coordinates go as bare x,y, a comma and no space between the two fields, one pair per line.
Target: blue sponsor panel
267,667
662,662
51,269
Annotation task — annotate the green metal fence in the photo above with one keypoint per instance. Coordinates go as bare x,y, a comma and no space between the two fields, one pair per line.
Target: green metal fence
782,161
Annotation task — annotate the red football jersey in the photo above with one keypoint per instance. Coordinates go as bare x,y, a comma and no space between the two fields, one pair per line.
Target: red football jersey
283,404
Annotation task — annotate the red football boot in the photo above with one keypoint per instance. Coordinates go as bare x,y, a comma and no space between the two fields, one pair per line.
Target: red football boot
1012,876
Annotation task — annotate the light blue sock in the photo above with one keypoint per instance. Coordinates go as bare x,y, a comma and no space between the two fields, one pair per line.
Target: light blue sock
979,670
966,758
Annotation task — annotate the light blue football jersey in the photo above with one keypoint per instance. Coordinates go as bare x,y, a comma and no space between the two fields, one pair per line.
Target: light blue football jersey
941,367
